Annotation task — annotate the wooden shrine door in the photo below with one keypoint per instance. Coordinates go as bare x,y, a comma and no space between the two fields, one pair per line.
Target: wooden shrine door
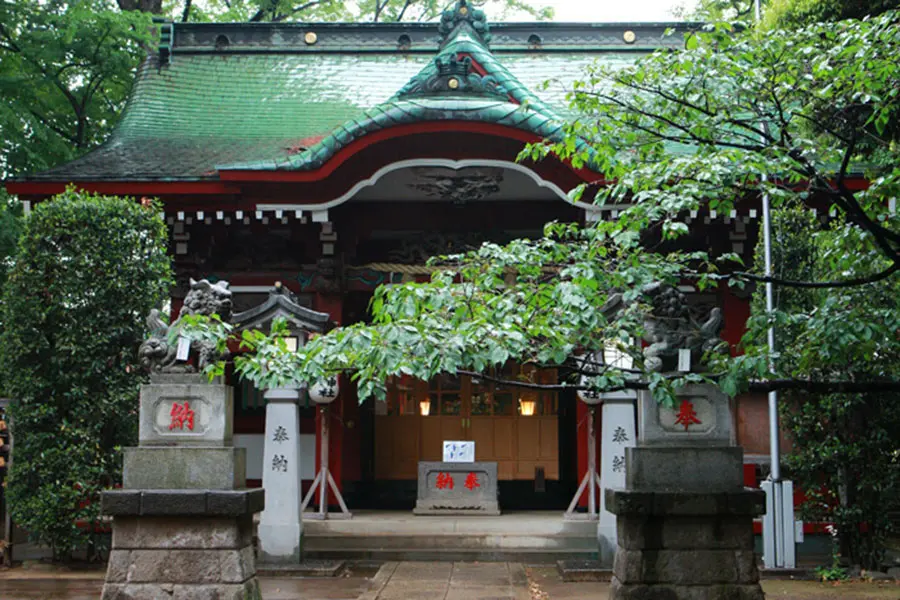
517,430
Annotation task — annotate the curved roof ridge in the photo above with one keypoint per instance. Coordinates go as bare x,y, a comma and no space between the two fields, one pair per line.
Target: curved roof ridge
397,112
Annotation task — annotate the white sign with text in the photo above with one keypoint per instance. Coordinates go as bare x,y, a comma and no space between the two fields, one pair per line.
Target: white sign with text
459,452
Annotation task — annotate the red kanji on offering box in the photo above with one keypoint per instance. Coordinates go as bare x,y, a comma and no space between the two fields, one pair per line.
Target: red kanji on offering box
687,416
472,481
182,415
444,481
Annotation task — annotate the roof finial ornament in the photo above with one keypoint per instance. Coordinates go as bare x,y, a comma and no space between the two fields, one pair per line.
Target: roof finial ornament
464,12
453,76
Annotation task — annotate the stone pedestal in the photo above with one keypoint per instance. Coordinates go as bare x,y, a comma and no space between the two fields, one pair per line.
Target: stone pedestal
280,526
452,488
182,524
685,546
181,544
179,468
684,522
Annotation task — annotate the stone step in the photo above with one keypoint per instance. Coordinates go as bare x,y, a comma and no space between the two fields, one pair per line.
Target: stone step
527,556
532,523
504,542
307,568
527,536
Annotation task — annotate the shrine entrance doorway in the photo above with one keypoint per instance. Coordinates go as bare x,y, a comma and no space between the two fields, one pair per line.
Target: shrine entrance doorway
516,428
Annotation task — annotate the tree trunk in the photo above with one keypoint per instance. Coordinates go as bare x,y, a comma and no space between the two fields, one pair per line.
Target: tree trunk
149,6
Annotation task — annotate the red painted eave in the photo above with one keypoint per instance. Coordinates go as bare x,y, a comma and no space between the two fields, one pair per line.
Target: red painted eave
123,188
399,131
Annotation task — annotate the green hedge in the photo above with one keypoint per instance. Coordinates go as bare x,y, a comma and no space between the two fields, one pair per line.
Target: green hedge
88,270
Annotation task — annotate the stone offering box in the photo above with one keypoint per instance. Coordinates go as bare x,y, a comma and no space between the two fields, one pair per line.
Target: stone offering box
702,415
689,447
453,488
185,410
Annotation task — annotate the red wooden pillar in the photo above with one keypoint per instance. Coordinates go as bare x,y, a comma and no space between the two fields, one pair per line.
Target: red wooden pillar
352,443
736,312
177,303
582,414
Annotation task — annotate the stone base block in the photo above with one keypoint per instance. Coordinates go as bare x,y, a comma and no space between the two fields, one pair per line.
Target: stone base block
638,503
724,532
192,558
686,567
621,591
196,504
686,468
152,565
182,533
248,590
180,468
685,545
712,424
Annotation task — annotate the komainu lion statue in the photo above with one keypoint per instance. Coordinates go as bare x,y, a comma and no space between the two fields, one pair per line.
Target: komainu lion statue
157,355
671,325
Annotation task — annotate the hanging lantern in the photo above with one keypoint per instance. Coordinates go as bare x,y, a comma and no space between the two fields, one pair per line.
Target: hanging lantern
589,397
325,390
425,407
527,407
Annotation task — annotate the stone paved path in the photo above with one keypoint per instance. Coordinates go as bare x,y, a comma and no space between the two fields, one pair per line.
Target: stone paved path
425,581
450,581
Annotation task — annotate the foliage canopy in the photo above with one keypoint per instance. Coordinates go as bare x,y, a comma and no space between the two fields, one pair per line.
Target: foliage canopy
66,69
333,10
844,446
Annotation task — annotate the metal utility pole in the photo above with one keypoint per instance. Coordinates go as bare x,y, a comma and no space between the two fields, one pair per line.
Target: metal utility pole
778,526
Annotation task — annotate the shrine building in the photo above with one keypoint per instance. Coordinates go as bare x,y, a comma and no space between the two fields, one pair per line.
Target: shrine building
337,157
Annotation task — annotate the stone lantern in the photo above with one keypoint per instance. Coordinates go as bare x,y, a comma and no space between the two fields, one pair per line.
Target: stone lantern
281,525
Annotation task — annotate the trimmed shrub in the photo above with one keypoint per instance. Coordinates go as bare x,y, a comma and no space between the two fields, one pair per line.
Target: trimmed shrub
87,272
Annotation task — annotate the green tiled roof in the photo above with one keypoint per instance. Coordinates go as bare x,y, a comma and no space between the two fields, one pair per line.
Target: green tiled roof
279,104
522,109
